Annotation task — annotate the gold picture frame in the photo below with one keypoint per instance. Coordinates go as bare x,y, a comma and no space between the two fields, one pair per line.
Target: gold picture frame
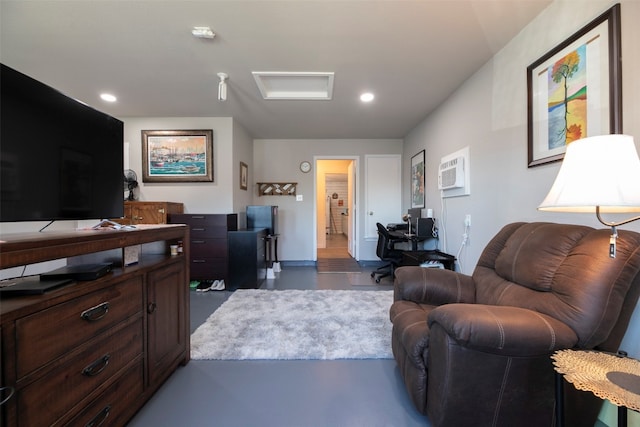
177,155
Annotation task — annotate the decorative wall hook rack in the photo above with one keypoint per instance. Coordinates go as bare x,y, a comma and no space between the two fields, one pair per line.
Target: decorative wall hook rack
277,188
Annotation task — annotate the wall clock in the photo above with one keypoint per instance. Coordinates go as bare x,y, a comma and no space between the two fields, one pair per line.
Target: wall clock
305,166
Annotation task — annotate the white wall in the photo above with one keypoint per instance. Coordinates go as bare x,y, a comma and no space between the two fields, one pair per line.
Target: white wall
278,160
197,197
242,152
488,113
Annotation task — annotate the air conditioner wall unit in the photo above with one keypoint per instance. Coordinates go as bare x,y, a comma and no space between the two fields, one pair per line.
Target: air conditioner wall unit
451,174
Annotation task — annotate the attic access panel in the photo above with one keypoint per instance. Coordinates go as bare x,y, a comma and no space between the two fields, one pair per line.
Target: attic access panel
294,85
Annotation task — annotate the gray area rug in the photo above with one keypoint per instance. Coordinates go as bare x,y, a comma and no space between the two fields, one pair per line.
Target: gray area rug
295,324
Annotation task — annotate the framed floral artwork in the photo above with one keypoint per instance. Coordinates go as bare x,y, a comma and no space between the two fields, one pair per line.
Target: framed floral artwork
574,91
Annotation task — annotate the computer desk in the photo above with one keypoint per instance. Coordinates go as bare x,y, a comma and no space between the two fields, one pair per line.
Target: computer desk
418,257
412,238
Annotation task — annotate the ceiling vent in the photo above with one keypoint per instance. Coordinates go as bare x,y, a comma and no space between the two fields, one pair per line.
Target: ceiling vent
294,85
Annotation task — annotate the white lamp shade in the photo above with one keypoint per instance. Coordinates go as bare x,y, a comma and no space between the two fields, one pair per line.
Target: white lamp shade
599,171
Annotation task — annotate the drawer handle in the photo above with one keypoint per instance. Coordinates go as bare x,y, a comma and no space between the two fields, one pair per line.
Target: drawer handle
151,307
9,391
198,261
95,313
100,418
198,229
197,217
199,242
96,367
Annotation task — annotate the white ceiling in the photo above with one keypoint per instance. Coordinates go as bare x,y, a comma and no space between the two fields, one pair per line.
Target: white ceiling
411,54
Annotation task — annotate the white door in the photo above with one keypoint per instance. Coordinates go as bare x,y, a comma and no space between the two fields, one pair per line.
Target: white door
383,197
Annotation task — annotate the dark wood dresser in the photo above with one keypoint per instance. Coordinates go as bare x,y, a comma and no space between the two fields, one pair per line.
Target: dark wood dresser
93,352
209,243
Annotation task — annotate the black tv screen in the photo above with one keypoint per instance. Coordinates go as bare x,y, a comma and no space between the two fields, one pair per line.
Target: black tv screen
59,158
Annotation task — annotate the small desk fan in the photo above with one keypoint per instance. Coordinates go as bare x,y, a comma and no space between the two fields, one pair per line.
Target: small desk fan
130,182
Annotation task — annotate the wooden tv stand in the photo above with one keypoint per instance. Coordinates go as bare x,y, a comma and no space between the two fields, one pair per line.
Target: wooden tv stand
97,350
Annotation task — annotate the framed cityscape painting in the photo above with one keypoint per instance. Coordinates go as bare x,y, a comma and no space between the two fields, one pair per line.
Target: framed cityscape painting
177,155
574,91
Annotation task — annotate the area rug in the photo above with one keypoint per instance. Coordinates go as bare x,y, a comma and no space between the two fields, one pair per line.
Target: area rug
295,324
338,265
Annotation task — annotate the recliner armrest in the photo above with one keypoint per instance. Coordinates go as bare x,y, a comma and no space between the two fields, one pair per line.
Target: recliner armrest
504,330
432,286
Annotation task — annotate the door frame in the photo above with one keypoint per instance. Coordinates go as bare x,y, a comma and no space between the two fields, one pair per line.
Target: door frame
354,210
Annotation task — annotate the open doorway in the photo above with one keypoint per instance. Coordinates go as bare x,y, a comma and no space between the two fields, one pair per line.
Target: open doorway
335,208
336,213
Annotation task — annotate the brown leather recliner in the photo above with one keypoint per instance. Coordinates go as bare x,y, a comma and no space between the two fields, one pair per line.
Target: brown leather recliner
475,350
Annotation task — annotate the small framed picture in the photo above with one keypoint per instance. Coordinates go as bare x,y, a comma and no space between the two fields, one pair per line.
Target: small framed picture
177,155
244,175
417,180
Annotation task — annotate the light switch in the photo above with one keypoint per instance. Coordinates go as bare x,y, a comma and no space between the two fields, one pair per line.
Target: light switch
299,197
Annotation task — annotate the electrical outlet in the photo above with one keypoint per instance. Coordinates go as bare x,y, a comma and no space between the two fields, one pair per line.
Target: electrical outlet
467,220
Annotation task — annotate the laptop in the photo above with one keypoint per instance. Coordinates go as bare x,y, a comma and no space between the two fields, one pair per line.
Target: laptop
30,287
79,272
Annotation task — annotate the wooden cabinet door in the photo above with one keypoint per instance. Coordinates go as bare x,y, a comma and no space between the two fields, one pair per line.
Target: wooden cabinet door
167,328
149,213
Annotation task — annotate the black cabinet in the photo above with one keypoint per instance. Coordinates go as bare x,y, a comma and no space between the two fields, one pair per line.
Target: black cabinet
247,260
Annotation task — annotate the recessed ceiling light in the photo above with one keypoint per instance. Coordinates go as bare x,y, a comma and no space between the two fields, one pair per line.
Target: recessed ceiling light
203,32
108,97
367,97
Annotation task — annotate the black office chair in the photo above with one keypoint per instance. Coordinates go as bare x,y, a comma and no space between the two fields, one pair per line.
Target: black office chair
386,252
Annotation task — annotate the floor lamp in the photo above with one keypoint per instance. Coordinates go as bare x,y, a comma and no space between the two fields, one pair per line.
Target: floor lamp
599,174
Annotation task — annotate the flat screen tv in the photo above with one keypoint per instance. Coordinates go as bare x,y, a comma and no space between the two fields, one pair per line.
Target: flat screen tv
59,158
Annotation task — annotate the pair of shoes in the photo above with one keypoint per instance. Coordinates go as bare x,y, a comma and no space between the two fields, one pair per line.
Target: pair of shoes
218,285
203,286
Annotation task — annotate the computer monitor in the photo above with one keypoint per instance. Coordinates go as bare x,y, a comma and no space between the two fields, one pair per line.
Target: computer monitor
425,227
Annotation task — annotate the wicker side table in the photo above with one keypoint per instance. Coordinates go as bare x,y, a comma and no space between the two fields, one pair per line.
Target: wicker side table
609,376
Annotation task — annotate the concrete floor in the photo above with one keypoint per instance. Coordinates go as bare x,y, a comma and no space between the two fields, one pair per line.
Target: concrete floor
303,393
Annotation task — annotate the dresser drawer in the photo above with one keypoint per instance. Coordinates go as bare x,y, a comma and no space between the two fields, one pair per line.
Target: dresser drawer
229,221
208,248
46,400
207,225
210,231
208,268
48,334
114,406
